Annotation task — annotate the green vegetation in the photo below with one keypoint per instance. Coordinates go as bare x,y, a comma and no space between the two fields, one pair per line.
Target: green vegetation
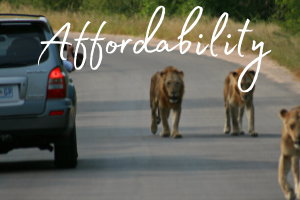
276,23
288,15
259,9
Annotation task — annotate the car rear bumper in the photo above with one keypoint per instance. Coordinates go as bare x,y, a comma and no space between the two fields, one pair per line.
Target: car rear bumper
44,123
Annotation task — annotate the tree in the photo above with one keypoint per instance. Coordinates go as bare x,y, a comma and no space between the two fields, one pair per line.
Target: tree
288,15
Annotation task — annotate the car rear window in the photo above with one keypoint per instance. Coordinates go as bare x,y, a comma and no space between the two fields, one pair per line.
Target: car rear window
20,45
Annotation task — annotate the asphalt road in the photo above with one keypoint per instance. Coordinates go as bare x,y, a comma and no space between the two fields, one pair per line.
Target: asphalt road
120,159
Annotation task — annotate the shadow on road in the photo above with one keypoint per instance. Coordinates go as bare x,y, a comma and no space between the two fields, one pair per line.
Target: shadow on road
222,135
22,166
174,163
131,133
134,163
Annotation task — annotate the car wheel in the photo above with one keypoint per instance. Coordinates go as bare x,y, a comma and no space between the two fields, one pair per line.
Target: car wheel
65,152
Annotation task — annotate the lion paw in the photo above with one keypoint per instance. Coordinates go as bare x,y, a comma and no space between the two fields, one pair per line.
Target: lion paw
153,127
290,195
176,135
226,130
241,133
253,133
234,133
162,134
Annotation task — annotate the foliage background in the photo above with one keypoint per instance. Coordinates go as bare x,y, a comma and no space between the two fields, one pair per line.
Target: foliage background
239,9
285,12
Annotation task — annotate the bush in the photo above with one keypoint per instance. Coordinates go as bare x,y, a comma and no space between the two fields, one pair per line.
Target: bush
288,15
59,5
237,9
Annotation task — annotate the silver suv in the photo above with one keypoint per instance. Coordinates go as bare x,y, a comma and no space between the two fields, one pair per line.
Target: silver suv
37,102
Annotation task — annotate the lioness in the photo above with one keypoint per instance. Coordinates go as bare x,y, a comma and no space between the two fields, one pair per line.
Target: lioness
290,151
235,101
166,91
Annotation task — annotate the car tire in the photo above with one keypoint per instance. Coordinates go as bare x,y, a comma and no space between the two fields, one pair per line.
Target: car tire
65,151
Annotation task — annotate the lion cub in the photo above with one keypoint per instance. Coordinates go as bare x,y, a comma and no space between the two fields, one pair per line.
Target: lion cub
166,92
235,101
290,151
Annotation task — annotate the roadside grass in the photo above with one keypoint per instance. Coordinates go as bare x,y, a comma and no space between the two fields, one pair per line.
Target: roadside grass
285,47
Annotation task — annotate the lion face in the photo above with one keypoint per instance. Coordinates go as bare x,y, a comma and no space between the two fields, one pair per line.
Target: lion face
173,84
245,84
291,121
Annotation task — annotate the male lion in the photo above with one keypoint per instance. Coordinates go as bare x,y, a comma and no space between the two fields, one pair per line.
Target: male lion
290,151
166,91
235,101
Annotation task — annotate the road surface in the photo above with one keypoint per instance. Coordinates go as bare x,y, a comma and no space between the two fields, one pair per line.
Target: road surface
120,159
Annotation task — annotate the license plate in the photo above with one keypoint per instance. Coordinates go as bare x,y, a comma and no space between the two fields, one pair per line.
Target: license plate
6,92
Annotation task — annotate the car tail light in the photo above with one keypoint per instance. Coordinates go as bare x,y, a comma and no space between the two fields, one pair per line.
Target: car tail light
56,112
56,85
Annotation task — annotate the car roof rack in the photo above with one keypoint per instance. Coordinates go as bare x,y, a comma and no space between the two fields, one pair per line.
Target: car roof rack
21,15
